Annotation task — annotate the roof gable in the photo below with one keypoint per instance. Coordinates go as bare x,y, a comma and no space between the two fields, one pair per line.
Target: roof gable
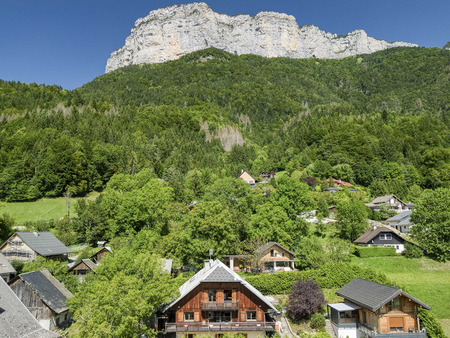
5,265
268,245
372,233
371,295
216,272
15,319
89,264
51,291
44,243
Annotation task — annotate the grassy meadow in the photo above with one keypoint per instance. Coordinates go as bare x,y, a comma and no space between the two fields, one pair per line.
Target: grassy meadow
44,209
423,278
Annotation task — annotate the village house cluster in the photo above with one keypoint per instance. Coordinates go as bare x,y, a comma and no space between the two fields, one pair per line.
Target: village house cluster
214,302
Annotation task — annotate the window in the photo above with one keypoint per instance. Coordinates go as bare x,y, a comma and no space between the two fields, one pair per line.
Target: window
227,295
282,264
219,317
189,316
251,315
385,237
272,253
279,254
395,305
211,295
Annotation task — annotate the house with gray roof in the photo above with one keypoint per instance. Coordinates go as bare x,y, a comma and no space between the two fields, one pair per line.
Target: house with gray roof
7,271
26,246
218,301
375,310
82,268
400,222
15,319
44,296
392,202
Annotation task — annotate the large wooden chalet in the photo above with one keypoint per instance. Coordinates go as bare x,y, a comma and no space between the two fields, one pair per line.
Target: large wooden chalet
382,236
375,310
217,301
26,246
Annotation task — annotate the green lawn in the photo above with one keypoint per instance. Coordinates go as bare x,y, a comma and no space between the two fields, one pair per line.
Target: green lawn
423,278
44,209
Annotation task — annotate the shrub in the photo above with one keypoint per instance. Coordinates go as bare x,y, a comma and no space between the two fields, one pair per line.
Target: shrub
322,334
327,277
412,251
434,329
317,321
305,299
374,251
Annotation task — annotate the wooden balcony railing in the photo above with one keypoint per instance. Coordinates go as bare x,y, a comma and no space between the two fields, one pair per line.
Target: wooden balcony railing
216,306
224,327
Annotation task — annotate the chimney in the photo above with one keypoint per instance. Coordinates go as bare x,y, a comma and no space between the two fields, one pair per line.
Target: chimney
374,227
35,233
208,263
101,244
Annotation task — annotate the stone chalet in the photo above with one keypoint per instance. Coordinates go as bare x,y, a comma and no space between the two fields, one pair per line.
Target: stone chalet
273,258
26,246
217,301
375,310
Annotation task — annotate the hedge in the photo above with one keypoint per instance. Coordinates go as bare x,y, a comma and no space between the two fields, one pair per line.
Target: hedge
374,251
327,277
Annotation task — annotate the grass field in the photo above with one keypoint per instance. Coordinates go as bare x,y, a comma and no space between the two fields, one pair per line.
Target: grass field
44,209
423,278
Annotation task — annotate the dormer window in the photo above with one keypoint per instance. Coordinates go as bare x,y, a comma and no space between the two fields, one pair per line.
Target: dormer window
385,237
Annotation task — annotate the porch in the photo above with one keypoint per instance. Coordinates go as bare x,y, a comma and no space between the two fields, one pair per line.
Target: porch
221,327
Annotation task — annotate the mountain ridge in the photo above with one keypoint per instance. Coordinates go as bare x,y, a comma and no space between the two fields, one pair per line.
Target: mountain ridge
171,32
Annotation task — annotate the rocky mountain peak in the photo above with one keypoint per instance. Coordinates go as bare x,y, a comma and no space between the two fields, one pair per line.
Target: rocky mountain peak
169,33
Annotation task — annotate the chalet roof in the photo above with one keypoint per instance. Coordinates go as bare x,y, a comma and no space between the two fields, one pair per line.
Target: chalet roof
5,265
167,264
371,295
337,183
245,171
403,218
90,264
106,248
16,320
44,243
51,291
383,199
268,245
371,234
216,271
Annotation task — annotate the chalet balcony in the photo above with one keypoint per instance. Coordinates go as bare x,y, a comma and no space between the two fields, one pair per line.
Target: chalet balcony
218,306
220,327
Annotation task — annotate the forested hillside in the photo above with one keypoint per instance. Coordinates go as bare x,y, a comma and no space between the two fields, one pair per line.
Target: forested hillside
378,120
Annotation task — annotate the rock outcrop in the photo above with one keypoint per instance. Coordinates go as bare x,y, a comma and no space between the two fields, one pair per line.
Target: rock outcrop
171,32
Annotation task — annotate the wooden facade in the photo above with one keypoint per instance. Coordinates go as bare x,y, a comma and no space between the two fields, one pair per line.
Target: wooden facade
216,301
47,318
15,249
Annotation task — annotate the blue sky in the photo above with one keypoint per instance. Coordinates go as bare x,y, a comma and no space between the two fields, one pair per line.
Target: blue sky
67,42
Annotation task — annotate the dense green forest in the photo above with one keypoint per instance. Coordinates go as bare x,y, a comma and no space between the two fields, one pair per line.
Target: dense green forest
378,120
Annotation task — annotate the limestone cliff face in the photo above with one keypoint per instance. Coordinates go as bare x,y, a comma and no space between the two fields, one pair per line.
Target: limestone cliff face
171,32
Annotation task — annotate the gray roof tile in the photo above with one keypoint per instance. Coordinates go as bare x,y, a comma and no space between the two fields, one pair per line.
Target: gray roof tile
44,243
372,295
15,319
5,265
49,289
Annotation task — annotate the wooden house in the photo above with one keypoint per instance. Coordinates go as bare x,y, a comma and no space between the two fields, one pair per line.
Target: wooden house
44,296
391,201
82,268
26,246
382,236
217,301
98,256
247,178
7,271
15,319
375,310
271,257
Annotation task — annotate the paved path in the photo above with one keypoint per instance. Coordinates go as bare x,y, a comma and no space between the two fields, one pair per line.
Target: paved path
329,328
285,329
